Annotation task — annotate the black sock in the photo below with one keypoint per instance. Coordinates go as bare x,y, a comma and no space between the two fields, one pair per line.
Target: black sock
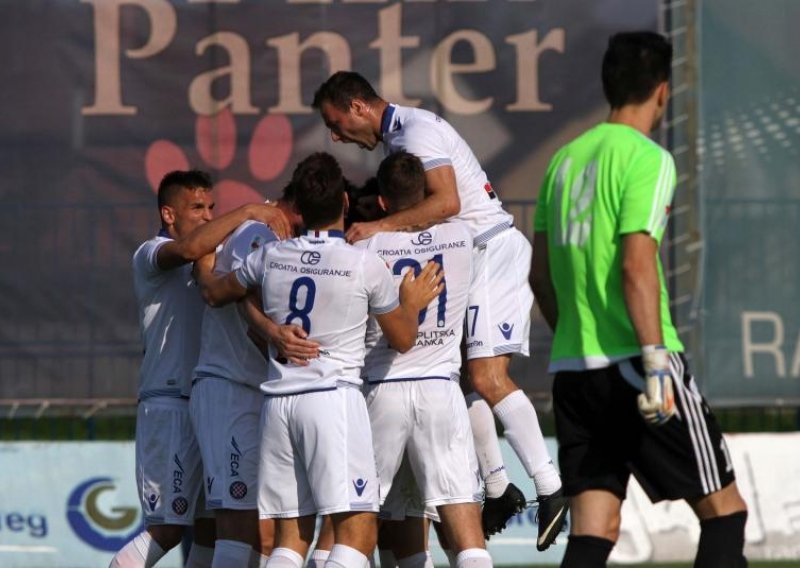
585,551
722,542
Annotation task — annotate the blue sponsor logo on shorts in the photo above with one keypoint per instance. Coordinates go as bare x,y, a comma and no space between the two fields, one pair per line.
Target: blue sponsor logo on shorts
360,485
103,528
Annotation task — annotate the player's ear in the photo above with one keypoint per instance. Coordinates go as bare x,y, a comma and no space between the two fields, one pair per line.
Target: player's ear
662,94
167,215
358,107
345,204
382,204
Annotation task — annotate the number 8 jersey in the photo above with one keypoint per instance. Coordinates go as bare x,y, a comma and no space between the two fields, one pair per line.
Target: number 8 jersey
436,353
319,282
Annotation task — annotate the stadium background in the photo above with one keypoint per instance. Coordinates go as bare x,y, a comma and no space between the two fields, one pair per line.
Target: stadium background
101,97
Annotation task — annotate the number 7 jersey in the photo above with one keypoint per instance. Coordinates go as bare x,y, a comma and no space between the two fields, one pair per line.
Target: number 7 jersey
329,288
437,351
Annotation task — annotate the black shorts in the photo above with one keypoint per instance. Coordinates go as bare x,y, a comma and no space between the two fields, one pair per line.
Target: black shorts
603,439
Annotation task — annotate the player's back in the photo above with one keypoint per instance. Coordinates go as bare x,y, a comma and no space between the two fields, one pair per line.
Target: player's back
610,181
436,353
170,311
436,143
226,351
327,287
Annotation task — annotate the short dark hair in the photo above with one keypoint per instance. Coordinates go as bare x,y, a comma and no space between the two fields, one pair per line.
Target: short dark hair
634,64
177,180
319,190
401,180
341,88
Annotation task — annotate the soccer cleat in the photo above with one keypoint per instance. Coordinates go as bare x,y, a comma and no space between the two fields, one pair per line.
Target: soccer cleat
498,510
551,515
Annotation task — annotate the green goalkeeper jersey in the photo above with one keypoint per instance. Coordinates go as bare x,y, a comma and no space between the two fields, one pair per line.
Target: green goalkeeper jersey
610,181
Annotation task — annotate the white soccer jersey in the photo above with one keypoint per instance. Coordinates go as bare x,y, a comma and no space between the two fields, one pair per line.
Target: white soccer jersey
436,353
226,351
321,283
436,143
170,313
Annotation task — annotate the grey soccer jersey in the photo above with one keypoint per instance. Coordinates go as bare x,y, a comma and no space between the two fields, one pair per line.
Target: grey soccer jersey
170,312
436,353
321,283
436,143
226,351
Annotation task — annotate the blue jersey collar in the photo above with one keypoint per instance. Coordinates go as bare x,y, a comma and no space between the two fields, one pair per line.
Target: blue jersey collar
325,234
164,233
386,119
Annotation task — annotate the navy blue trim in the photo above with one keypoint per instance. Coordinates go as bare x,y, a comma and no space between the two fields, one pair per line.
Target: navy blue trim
300,392
333,233
408,379
386,118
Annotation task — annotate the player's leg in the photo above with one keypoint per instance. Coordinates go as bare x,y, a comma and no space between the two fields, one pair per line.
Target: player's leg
498,324
226,419
721,510
293,539
289,503
333,438
204,535
323,546
407,540
166,450
442,457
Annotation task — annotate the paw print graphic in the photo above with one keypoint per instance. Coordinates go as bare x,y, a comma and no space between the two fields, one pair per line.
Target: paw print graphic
215,141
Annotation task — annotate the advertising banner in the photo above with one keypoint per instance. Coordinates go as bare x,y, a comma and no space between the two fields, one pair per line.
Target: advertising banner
72,504
750,120
102,97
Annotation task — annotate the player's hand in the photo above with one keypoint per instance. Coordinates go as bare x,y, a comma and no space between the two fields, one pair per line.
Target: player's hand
416,292
361,231
269,214
293,344
657,402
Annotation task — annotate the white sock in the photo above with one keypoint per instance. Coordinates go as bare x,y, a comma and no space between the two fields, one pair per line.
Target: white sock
474,558
140,552
487,446
228,553
451,557
417,560
387,558
259,560
343,556
522,429
428,559
284,558
318,558
200,556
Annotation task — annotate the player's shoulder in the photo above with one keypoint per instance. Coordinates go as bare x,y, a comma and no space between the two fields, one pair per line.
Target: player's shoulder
143,256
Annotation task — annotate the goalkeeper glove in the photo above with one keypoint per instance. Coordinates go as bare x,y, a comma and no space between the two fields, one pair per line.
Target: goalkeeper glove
656,403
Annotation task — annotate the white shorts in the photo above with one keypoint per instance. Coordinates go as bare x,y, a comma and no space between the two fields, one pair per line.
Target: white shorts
227,419
404,498
500,298
316,455
169,473
428,420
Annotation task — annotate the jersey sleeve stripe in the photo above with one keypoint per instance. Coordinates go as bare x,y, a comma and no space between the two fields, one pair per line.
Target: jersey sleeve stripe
385,309
661,186
436,163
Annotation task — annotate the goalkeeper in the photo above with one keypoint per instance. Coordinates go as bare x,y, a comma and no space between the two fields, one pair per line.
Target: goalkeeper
624,399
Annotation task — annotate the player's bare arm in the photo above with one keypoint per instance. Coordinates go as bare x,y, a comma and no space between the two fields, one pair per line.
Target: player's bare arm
542,284
401,324
217,289
291,340
207,236
641,286
441,202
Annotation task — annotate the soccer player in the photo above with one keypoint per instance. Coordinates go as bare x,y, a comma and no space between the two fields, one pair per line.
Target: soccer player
624,399
500,302
170,309
316,452
414,400
225,404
